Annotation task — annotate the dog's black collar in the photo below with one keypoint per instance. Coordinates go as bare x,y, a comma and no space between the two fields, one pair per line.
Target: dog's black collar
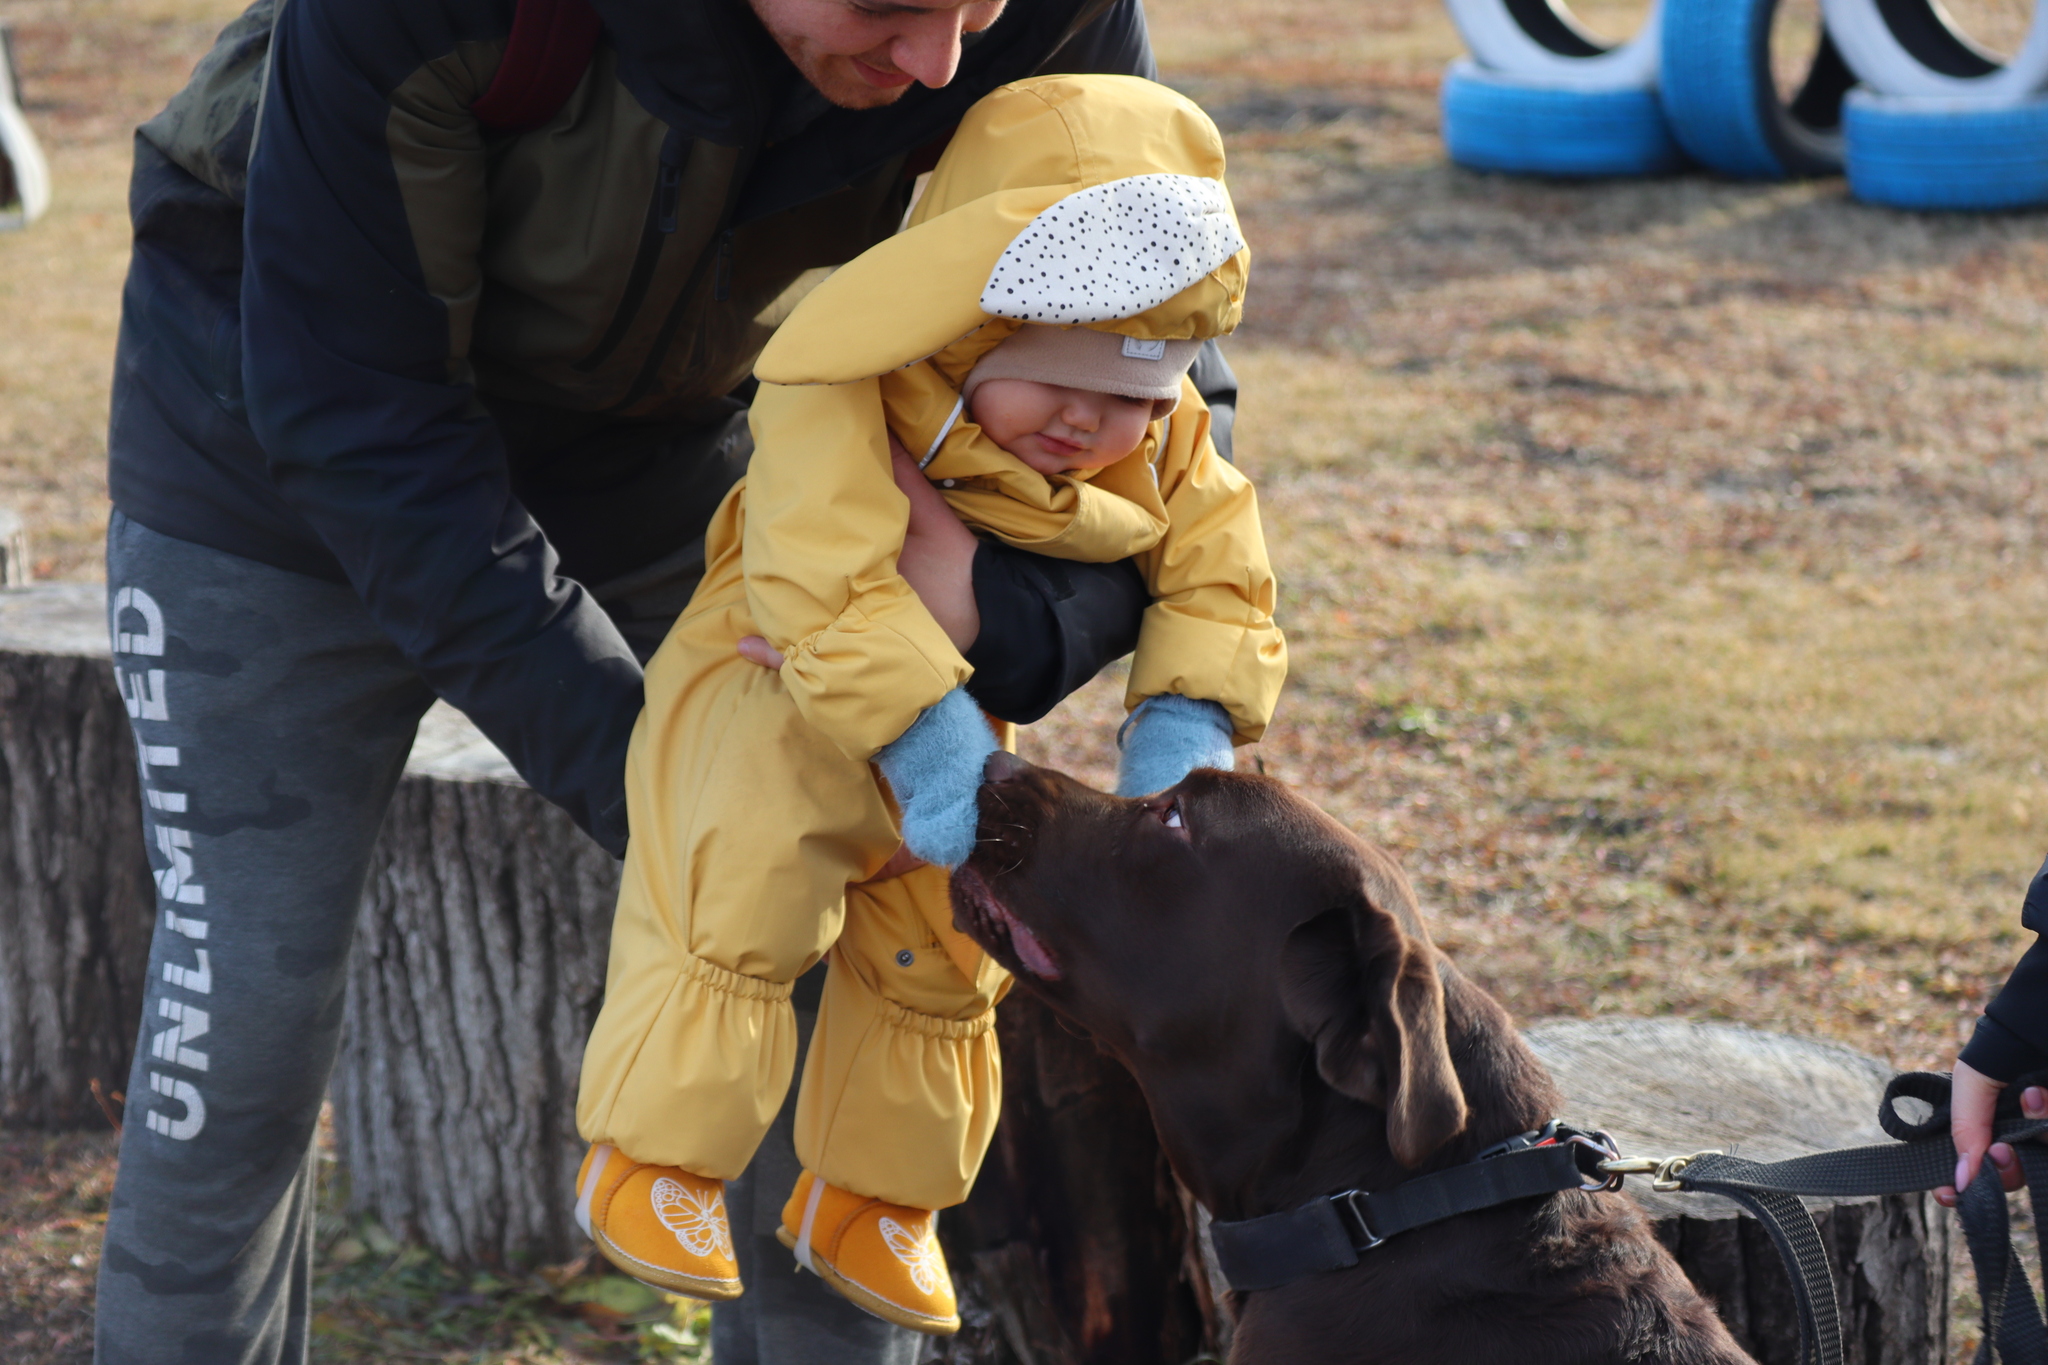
1332,1232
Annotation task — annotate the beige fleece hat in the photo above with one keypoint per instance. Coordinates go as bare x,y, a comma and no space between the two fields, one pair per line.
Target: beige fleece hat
1082,358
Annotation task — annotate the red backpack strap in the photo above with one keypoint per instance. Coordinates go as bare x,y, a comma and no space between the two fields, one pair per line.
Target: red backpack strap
545,57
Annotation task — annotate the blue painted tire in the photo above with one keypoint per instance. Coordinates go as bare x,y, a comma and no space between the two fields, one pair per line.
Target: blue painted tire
1715,81
1493,122
1931,153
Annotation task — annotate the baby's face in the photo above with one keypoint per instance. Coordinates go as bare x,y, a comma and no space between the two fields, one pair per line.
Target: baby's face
1057,430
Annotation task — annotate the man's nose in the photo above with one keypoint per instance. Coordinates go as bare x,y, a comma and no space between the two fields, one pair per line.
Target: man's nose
1002,766
931,51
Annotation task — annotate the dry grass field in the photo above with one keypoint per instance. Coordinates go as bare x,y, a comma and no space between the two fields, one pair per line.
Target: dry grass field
1662,561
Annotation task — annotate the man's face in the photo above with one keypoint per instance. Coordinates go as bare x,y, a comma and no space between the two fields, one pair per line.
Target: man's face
863,54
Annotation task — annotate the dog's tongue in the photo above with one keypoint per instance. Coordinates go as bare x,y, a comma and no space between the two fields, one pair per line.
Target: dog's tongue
1030,951
1031,954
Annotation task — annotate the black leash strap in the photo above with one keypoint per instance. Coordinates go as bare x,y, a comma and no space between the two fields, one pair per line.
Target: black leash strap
1924,1160
1797,1237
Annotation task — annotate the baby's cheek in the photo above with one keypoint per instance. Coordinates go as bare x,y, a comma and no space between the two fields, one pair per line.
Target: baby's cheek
1130,428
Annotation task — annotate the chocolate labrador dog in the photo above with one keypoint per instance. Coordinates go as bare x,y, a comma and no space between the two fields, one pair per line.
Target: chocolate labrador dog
1266,977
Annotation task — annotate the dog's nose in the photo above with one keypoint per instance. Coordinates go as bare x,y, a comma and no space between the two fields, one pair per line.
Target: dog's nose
1001,767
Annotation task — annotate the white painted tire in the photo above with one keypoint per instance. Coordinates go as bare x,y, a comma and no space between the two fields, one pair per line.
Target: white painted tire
1540,41
18,146
1908,47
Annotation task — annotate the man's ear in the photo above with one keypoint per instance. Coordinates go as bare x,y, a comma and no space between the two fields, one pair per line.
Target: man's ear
1366,993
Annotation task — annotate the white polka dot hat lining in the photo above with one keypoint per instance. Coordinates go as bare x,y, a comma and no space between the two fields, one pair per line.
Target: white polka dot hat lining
1114,250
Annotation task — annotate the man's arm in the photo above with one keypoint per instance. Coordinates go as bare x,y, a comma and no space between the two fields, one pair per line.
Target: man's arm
365,213
1047,627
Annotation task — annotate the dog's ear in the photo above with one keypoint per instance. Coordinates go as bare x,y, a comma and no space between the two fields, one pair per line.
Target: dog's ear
1366,993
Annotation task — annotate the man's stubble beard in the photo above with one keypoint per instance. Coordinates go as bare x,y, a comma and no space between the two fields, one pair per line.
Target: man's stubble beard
834,78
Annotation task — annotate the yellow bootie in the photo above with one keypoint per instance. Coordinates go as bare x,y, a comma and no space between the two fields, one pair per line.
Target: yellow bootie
884,1257
660,1224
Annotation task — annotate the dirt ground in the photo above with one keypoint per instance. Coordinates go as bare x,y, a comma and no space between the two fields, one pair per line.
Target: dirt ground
1661,563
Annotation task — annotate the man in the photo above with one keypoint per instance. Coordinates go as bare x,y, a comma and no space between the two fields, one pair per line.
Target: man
433,366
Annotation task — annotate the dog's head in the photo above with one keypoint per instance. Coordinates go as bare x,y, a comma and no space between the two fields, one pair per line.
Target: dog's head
1219,938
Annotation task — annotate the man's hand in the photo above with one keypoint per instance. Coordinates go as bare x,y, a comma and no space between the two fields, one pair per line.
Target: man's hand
938,553
1972,1103
756,650
900,862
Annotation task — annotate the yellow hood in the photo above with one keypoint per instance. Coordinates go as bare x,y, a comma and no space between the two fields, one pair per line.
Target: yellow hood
1073,200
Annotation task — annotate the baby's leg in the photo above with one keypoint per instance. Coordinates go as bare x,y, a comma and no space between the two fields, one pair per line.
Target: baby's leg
903,1081
901,1091
746,827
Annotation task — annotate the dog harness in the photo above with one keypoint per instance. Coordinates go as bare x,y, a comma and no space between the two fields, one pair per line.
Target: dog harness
1332,1232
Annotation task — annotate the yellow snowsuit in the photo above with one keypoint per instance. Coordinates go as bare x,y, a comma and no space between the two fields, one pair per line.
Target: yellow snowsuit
756,817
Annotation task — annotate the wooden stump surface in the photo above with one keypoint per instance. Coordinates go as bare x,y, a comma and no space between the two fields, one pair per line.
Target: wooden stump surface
76,896
1663,1087
477,971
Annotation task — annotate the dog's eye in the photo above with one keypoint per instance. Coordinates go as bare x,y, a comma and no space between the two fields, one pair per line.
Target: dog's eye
1172,817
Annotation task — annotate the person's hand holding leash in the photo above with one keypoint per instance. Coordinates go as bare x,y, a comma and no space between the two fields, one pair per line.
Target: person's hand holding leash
1971,1104
2010,1040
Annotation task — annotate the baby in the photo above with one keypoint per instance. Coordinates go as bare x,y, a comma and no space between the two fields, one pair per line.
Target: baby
1074,248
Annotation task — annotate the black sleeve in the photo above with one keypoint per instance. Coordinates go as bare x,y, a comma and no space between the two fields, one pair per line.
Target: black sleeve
2012,1037
1047,627
1114,45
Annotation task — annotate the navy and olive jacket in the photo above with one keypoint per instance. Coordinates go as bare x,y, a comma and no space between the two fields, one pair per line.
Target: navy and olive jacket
357,320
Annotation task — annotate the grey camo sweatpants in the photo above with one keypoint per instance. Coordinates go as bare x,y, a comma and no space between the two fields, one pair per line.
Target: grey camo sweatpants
272,721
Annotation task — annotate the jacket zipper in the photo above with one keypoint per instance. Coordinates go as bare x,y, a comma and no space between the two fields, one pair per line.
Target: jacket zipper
721,279
719,263
662,215
721,267
667,192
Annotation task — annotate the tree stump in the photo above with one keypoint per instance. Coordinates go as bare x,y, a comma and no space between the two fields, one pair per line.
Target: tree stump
1664,1086
477,970
76,898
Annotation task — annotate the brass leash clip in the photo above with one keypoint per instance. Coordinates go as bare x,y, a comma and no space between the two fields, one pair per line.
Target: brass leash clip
1664,1172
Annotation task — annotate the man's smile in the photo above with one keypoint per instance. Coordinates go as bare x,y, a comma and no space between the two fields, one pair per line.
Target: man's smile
875,75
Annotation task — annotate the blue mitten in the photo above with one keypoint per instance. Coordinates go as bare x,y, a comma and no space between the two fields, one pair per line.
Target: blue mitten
934,768
1167,738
